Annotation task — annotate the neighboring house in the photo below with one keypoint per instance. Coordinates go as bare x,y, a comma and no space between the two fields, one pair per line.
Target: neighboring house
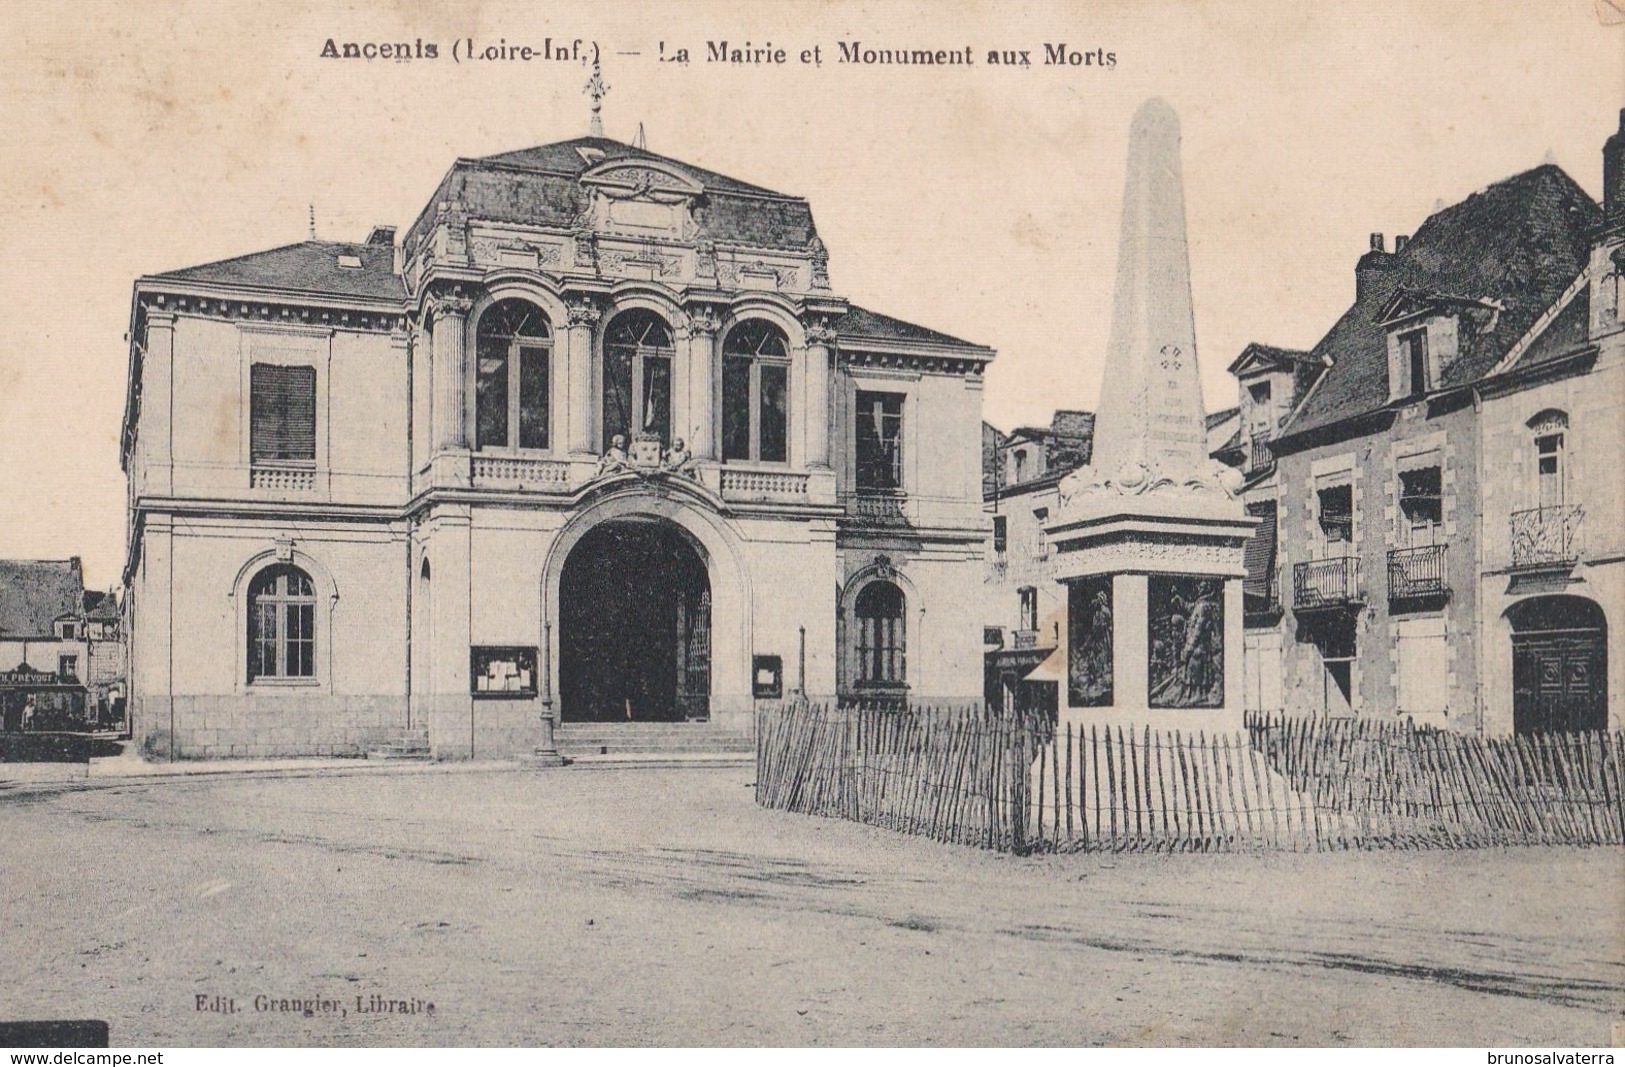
594,429
104,656
61,653
1552,497
1270,383
1427,486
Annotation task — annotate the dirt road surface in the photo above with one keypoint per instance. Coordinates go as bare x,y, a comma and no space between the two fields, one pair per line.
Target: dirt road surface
639,907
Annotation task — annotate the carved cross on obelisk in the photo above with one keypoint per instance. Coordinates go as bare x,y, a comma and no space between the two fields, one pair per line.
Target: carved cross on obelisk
1151,414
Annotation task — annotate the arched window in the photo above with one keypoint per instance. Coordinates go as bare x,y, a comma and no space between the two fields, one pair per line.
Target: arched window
637,377
882,638
755,393
512,345
281,624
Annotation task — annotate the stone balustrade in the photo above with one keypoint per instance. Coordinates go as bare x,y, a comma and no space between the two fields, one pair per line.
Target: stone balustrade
522,473
773,486
282,479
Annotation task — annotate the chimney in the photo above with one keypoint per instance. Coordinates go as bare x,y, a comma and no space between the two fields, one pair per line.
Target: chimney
381,235
1372,266
1613,181
1400,242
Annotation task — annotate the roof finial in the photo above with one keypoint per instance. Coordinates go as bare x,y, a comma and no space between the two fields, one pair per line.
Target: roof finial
596,88
312,222
638,142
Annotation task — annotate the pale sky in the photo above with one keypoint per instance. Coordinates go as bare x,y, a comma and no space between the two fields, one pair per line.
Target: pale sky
976,200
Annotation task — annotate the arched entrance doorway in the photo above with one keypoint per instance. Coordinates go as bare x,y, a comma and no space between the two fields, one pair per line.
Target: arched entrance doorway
634,625
1559,665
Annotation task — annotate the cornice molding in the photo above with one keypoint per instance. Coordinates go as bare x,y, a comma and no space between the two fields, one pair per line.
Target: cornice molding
271,313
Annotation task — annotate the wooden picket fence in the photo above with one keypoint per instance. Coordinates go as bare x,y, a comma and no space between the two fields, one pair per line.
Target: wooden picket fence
949,773
1017,783
1405,785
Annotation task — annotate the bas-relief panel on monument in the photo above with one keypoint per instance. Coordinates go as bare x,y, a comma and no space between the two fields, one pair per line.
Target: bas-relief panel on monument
1089,642
1185,634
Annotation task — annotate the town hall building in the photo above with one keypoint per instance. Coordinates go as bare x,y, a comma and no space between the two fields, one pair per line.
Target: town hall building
594,439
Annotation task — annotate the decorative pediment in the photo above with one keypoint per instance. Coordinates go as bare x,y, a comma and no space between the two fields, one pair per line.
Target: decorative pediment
625,179
636,197
1409,304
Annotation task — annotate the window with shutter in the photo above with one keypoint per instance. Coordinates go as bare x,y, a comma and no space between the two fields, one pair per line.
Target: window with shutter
1259,554
282,425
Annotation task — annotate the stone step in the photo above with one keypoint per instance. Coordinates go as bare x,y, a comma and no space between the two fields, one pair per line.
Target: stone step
404,744
608,739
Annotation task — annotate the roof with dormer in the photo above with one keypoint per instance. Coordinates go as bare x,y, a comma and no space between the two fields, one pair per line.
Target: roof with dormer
34,593
1517,245
309,268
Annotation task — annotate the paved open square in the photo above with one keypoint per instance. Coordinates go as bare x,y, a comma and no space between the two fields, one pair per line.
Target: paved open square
590,907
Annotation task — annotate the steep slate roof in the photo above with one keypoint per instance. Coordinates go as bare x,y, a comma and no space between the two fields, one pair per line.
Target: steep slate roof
861,324
100,605
565,158
540,186
1569,330
34,593
1519,242
306,267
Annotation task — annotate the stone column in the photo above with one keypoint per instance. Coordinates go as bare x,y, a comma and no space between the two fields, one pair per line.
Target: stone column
155,428
701,430
816,416
1235,666
584,315
1131,673
448,398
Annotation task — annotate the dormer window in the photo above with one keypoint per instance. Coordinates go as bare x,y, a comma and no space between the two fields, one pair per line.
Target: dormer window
1427,334
348,262
1413,349
1258,393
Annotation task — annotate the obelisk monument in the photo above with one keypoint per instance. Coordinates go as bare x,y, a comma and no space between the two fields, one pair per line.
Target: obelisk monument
1149,536
1150,413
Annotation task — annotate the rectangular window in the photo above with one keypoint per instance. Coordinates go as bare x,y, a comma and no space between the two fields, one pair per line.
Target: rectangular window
656,418
1259,409
533,398
1421,501
773,411
1001,536
1413,351
1040,537
282,413
1336,519
1549,456
617,395
879,434
736,409
1259,555
491,399
67,668
1029,607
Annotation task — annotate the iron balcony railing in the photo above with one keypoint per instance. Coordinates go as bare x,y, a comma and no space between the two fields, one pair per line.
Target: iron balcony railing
1417,572
1325,583
1546,537
1259,456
